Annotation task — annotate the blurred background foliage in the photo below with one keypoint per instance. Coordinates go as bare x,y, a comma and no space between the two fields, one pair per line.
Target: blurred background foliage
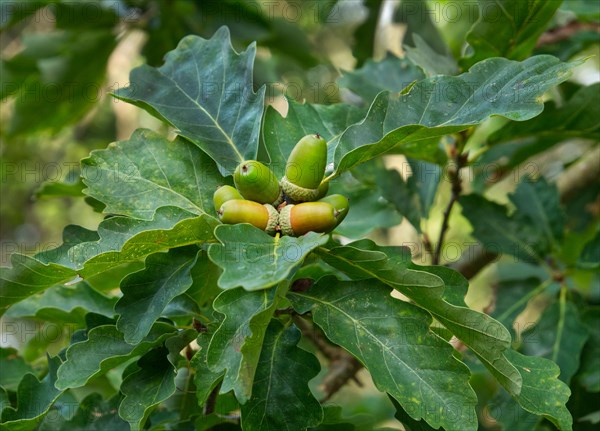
61,59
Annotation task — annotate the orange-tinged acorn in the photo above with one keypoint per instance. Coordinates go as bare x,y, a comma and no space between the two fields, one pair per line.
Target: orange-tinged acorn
263,216
296,220
340,204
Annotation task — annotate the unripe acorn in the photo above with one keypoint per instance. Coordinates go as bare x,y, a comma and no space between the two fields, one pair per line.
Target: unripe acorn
296,220
236,211
340,204
257,183
323,189
305,168
224,194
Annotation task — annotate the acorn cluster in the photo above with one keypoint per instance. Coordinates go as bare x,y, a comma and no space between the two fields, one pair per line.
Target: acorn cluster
293,206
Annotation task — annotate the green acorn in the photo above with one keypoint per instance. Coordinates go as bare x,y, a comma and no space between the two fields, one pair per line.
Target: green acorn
296,220
305,168
257,183
224,194
323,189
340,204
235,211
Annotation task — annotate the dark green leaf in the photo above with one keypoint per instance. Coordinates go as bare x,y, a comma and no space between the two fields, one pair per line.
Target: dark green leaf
392,74
392,339
119,241
147,293
439,106
368,209
205,275
236,345
513,296
96,414
543,394
430,61
538,202
586,10
205,380
71,187
84,16
252,259
122,239
64,304
515,142
12,365
412,198
182,405
559,336
417,16
530,233
152,383
508,28
281,134
281,398
15,12
34,399
408,422
577,118
27,277
590,255
182,306
146,172
4,400
61,80
486,337
589,373
364,37
104,348
204,89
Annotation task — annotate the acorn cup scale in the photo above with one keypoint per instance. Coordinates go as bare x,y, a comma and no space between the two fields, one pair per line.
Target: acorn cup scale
296,220
262,216
256,182
305,169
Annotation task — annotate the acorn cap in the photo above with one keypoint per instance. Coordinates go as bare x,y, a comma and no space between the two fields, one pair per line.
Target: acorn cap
285,224
297,193
256,182
273,221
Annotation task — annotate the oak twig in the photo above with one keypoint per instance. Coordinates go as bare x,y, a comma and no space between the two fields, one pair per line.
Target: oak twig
563,33
460,161
211,401
342,365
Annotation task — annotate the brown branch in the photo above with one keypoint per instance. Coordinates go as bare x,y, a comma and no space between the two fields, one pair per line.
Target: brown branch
566,32
427,244
460,161
577,177
211,401
342,365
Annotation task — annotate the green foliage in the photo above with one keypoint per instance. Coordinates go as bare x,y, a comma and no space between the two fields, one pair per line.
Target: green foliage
170,320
